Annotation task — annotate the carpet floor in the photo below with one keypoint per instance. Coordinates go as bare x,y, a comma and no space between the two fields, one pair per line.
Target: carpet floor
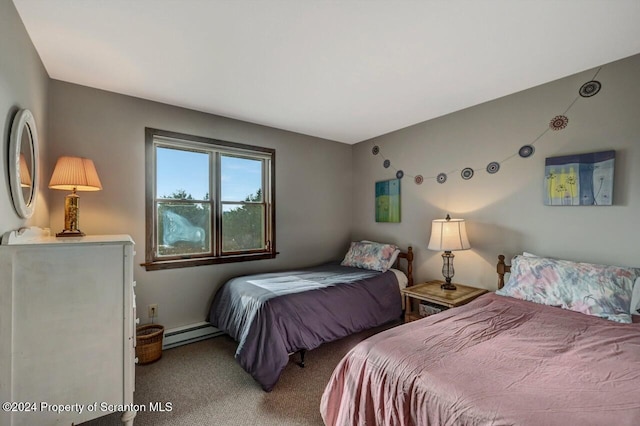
206,386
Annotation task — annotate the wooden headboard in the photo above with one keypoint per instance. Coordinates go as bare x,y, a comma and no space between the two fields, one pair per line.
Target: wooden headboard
502,269
408,255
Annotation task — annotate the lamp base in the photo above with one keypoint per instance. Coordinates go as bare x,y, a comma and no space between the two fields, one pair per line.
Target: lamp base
65,233
448,286
447,270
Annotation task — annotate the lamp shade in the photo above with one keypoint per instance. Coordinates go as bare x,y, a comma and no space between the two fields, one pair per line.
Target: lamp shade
25,177
75,173
448,235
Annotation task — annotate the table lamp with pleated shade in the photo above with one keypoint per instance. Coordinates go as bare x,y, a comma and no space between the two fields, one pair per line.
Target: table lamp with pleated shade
74,174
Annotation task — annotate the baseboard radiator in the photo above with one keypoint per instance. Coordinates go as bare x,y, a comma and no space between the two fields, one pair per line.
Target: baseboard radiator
189,334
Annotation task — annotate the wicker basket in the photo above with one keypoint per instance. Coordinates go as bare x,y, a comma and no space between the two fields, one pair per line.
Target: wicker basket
149,343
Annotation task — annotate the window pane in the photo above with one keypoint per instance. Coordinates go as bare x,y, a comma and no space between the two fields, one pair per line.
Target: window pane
241,179
183,229
209,201
242,227
182,174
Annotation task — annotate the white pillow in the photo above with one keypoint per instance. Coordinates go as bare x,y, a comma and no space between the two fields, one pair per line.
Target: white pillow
403,280
394,257
635,298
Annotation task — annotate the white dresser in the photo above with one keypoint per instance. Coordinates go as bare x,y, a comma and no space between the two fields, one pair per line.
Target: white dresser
67,328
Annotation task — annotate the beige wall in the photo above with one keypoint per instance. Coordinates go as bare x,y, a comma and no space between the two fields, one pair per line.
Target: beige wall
313,193
325,190
23,84
505,211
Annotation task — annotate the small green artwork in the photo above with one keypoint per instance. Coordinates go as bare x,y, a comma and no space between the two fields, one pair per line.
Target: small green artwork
388,201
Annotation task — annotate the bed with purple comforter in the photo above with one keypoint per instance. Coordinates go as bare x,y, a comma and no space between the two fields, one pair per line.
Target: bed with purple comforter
273,315
556,345
496,361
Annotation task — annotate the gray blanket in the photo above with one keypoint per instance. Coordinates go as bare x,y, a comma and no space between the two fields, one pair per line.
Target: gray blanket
272,315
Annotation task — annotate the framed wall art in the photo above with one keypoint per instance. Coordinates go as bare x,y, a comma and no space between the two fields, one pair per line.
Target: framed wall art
579,180
388,201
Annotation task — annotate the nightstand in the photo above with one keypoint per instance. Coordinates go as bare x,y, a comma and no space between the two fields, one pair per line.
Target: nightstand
431,293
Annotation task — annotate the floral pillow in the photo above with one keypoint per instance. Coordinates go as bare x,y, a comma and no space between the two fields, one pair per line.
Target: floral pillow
370,255
599,290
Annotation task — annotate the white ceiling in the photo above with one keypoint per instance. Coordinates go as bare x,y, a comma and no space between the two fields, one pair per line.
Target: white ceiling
342,70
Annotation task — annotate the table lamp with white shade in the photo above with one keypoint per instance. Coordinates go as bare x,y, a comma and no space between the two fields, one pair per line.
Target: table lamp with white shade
448,235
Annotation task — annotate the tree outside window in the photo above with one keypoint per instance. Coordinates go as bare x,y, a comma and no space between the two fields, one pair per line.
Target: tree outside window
208,201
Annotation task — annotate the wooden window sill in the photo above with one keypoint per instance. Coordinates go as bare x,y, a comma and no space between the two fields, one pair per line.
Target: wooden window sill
187,263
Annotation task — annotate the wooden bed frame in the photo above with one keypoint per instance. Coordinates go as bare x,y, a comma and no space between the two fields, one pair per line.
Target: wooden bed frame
408,255
502,269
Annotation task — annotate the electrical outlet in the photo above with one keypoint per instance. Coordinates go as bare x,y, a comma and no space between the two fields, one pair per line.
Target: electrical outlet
153,310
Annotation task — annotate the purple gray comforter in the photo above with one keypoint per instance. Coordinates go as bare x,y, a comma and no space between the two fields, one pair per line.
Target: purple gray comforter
275,314
495,361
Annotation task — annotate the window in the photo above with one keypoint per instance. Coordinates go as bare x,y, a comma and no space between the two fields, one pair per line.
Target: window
208,201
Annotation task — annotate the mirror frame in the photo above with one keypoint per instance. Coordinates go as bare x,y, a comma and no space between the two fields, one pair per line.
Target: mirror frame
22,122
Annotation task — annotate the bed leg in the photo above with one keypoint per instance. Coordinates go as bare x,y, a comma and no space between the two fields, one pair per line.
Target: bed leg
301,363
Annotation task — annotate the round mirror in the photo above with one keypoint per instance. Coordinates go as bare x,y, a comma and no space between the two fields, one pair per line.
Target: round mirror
23,163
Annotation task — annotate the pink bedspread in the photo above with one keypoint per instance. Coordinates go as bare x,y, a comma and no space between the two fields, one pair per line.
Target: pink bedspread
495,361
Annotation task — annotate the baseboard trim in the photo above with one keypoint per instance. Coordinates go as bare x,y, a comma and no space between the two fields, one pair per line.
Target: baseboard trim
189,334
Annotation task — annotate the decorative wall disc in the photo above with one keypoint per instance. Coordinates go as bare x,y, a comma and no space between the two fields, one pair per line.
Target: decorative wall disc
467,173
590,88
558,122
526,151
493,167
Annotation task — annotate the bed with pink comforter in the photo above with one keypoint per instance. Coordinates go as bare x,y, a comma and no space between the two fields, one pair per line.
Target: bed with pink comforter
496,361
